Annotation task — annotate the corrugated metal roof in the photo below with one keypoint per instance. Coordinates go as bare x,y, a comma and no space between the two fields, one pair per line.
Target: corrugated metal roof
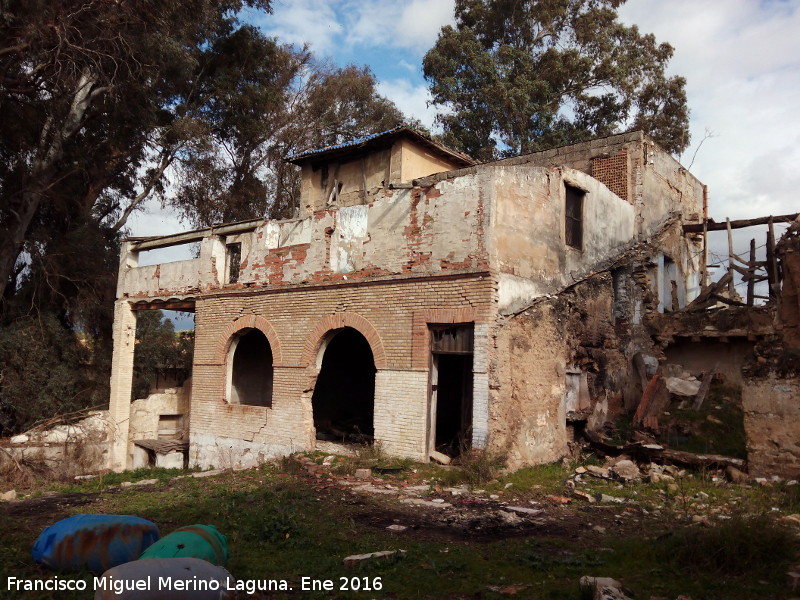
354,142
364,141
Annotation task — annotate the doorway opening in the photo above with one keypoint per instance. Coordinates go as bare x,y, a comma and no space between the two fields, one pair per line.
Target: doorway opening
344,395
451,388
250,379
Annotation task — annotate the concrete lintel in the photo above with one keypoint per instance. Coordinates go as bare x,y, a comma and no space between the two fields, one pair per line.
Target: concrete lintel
175,239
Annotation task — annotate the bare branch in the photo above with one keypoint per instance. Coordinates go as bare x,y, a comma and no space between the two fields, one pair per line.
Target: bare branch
708,134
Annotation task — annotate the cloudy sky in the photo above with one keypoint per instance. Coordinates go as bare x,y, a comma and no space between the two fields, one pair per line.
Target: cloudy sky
741,59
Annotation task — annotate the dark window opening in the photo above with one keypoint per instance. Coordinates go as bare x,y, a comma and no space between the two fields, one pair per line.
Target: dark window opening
324,177
234,256
344,395
671,299
573,226
451,387
251,373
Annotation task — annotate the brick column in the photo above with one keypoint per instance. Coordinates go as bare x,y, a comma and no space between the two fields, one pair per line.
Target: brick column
121,384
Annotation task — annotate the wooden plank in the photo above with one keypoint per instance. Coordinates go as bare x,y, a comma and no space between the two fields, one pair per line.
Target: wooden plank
772,263
649,392
728,301
706,295
654,400
440,458
705,385
751,284
657,453
731,255
711,225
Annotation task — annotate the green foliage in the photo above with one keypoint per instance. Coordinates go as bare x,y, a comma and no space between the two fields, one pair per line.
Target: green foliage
107,104
718,427
45,370
735,547
537,74
160,352
98,99
236,169
539,557
257,508
479,466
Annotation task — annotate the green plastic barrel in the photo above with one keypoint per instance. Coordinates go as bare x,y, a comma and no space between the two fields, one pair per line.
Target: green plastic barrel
194,541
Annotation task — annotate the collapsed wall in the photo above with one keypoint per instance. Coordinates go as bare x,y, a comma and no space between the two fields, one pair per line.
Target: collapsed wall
771,390
65,449
771,415
566,363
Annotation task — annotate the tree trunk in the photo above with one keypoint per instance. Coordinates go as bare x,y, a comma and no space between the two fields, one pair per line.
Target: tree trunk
41,176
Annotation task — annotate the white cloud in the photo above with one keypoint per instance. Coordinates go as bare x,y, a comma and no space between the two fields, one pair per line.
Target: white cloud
300,22
412,25
407,66
740,59
411,99
154,220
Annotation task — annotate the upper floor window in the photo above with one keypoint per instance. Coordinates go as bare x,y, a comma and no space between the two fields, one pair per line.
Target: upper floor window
234,259
573,216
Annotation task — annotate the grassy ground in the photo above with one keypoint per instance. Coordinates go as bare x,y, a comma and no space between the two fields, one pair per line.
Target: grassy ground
694,536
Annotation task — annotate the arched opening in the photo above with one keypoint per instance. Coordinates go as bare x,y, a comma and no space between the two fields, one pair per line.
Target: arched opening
250,370
344,395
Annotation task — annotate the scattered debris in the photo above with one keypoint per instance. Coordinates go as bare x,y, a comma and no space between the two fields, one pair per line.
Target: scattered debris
421,502
524,510
440,458
355,559
793,520
626,470
584,496
658,453
560,499
509,590
657,473
8,496
603,588
682,386
605,498
210,473
704,387
396,528
146,482
363,473
793,578
599,472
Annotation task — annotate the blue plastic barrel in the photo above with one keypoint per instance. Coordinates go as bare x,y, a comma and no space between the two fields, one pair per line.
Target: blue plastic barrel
93,542
165,579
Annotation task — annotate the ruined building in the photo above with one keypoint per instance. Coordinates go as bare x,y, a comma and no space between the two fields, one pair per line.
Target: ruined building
420,300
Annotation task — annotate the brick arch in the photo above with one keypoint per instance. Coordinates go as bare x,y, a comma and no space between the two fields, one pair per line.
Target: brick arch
338,321
249,322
